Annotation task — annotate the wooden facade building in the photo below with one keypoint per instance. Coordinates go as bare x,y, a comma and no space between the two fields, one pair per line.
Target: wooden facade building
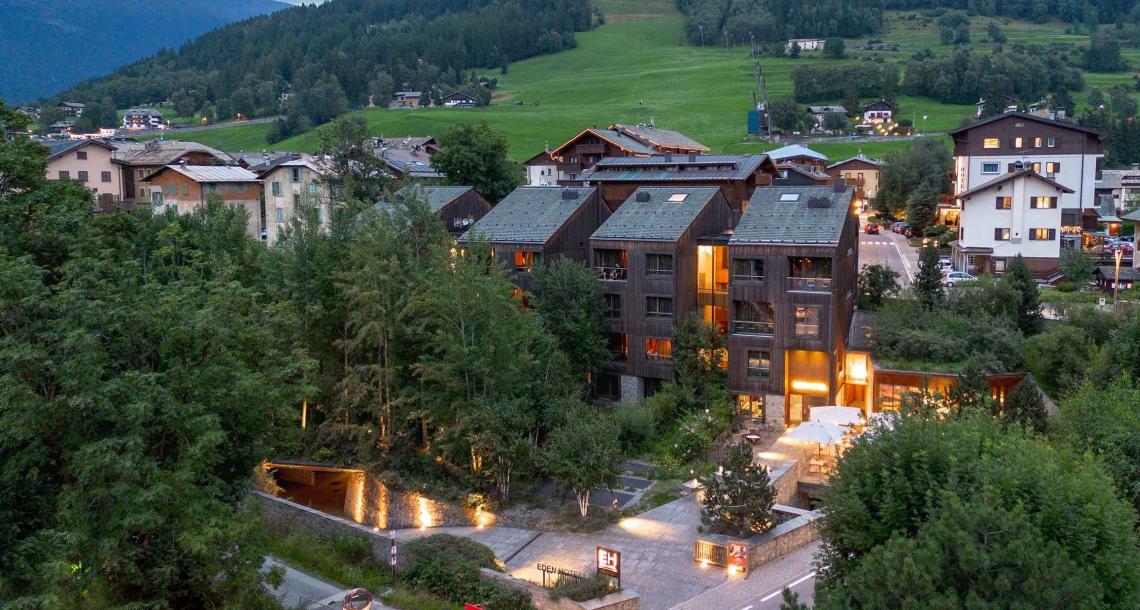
459,207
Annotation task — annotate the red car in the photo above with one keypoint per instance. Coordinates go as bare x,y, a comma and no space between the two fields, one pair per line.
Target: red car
871,228
1125,246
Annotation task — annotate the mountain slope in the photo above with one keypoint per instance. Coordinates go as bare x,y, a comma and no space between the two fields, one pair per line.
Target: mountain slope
47,45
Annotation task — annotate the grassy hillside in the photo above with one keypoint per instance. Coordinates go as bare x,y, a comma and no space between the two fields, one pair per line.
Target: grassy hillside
636,68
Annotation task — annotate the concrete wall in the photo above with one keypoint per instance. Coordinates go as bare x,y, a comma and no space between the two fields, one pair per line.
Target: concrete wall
283,515
540,598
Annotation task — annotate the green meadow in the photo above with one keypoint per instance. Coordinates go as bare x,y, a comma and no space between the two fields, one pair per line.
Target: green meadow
637,68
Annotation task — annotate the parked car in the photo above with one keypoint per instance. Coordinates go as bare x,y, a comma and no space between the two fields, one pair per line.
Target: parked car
899,227
1119,245
945,265
871,228
957,277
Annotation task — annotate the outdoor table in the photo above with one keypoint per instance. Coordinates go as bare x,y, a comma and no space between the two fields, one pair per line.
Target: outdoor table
752,438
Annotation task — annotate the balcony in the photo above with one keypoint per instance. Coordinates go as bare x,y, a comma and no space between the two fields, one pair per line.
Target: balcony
590,149
619,274
570,168
747,327
810,284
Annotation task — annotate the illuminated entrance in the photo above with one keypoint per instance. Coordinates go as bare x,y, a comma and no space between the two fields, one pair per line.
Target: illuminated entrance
807,375
712,285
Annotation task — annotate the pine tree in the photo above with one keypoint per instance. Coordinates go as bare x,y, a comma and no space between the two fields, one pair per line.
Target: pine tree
928,281
739,502
1020,277
1025,405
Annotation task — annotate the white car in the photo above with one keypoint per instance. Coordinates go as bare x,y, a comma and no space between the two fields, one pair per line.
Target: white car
944,265
957,277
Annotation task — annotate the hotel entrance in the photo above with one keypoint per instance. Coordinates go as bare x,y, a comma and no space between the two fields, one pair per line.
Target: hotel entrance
807,374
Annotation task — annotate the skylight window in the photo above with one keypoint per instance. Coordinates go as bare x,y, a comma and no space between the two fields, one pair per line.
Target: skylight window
677,197
790,197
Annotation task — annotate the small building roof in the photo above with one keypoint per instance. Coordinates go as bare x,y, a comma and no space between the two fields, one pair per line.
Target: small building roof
856,159
437,197
1133,216
142,112
163,152
660,213
1127,274
530,214
408,93
795,150
72,105
809,215
662,138
459,93
210,173
879,105
807,171
57,148
680,168
826,109
1007,177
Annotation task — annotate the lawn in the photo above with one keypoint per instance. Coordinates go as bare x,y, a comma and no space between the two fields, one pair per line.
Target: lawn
636,68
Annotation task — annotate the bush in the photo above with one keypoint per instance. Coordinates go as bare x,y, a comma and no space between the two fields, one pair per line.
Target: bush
637,424
592,587
1067,286
448,567
451,549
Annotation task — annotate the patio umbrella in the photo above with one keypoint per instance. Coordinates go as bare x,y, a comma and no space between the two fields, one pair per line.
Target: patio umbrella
840,416
817,432
883,419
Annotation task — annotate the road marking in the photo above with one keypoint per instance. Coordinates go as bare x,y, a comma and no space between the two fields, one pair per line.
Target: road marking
787,586
906,265
748,607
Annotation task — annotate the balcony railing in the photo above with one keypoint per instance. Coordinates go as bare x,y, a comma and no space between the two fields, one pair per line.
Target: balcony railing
658,357
744,327
612,273
747,278
807,330
813,284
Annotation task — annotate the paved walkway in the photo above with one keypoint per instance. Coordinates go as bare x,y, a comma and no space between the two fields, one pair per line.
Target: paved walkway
302,590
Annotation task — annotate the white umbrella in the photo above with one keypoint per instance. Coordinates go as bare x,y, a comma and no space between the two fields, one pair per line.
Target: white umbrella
883,419
840,416
817,432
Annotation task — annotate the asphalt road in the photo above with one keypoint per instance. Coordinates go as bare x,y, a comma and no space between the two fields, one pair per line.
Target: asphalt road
300,588
804,586
890,249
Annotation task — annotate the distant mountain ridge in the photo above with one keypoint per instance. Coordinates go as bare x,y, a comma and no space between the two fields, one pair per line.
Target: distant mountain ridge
50,45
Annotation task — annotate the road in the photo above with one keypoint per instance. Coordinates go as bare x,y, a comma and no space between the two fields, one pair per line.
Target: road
763,589
890,249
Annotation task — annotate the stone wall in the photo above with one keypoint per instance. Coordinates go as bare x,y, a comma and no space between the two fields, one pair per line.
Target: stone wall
540,598
282,515
370,502
782,539
786,476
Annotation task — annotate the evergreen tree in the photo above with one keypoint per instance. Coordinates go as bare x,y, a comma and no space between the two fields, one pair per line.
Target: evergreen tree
928,280
1025,406
738,502
1020,278
834,48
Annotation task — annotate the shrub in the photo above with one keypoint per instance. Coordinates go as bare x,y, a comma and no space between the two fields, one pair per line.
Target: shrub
592,587
637,423
451,549
448,567
1067,286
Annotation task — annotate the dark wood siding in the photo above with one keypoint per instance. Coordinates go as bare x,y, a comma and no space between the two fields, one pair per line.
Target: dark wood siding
1069,141
470,206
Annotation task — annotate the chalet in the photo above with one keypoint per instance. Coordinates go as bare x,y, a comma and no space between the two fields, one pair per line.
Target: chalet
794,174
800,155
142,118
184,188
860,172
1120,185
289,186
1041,172
792,260
536,224
877,113
409,157
541,169
459,207
72,109
32,111
402,100
647,256
90,163
581,152
62,128
141,159
819,113
460,99
805,44
736,175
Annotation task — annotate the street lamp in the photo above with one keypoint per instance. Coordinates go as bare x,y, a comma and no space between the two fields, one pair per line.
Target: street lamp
1116,282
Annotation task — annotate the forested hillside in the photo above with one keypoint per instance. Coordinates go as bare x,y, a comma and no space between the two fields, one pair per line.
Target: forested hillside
336,56
1072,11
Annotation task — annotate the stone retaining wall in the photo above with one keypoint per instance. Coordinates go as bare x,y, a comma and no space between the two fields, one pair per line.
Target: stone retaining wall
283,515
540,597
369,501
798,531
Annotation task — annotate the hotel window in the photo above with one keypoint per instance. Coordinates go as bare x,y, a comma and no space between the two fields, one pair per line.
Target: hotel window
105,176
1051,142
613,306
807,322
619,345
990,168
753,318
1042,203
748,269
658,264
1018,142
759,364
525,261
276,189
1037,142
1052,167
991,143
1001,234
81,155
82,175
658,349
1037,167
1004,203
1042,234
280,214
658,307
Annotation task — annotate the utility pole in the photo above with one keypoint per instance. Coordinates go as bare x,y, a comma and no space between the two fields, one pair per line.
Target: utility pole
702,28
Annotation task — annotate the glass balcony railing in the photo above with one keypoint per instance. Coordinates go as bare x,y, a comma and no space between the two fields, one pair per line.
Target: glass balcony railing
812,284
745,327
612,273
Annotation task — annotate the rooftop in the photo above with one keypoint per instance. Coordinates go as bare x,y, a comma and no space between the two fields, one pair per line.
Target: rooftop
856,158
1026,116
674,168
410,155
212,173
60,147
1002,179
530,214
437,197
657,213
663,138
162,152
795,150
809,215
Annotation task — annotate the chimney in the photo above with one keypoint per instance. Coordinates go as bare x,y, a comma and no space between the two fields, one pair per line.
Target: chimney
840,185
569,194
641,196
819,202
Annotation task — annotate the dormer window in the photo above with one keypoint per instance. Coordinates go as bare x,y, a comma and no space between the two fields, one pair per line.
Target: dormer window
789,197
677,197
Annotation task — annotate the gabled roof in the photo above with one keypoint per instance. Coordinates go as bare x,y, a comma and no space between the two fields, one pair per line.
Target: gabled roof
623,142
795,150
1027,117
879,105
164,152
437,197
1002,179
209,173
804,170
659,213
808,215
826,109
142,112
1133,216
56,148
663,138
676,168
306,161
459,93
530,214
541,158
862,158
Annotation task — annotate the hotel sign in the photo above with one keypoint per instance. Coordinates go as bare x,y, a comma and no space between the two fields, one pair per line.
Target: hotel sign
609,563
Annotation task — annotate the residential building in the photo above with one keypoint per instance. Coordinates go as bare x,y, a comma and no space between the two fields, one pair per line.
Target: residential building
581,152
288,187
1121,185
74,109
91,163
860,172
62,129
541,170
403,100
736,175
142,118
32,111
537,224
819,113
1051,159
794,174
141,159
184,188
459,207
647,258
878,112
459,99
805,44
409,157
792,281
800,155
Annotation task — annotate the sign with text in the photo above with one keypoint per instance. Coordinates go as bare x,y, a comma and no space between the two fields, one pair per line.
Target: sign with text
738,555
609,562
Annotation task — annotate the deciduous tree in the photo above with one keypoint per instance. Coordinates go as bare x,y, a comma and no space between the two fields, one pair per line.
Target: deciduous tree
584,453
476,155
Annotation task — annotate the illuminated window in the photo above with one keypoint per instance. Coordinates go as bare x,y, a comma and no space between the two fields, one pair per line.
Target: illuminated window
658,307
1042,234
759,364
658,264
1004,203
1043,203
991,143
1018,142
525,261
1052,167
1001,234
1037,142
658,349
807,322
